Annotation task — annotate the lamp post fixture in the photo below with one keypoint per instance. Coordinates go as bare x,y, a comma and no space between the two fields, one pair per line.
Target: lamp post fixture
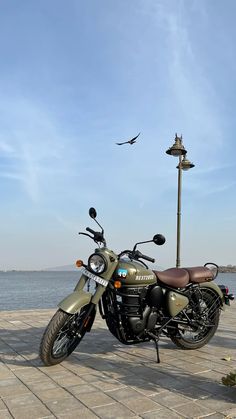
178,150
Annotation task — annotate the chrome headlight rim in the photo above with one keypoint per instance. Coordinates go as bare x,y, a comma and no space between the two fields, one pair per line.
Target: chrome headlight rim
102,267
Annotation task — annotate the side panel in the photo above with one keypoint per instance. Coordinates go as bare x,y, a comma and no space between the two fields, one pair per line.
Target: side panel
74,301
176,302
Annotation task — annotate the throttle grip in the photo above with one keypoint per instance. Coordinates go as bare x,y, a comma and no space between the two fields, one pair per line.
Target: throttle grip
148,258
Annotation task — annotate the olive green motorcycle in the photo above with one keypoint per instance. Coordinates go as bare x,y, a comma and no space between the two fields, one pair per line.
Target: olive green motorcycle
137,303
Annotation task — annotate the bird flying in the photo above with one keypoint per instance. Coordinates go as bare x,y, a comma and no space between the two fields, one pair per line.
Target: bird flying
132,141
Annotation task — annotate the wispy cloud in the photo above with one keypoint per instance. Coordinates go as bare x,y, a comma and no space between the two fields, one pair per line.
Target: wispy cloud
195,100
219,189
32,147
5,147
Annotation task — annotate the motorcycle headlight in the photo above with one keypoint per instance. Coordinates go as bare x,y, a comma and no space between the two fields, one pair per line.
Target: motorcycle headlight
97,263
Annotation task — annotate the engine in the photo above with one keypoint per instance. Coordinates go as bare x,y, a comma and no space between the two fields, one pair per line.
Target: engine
139,306
135,303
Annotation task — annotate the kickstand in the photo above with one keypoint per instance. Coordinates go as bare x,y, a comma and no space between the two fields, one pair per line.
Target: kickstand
156,340
157,349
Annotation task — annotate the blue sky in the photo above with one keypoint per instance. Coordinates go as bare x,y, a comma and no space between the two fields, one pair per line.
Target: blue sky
75,77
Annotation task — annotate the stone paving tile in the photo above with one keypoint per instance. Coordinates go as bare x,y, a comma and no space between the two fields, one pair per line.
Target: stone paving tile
124,393
95,399
230,413
81,388
32,412
193,392
218,391
64,405
78,368
24,400
69,381
83,413
5,373
52,373
53,394
4,414
13,381
2,405
193,410
150,392
163,413
113,411
170,399
108,384
218,405
19,389
29,374
140,383
92,377
41,386
141,405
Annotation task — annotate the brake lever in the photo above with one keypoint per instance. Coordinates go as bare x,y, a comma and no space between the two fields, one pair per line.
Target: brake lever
85,234
136,255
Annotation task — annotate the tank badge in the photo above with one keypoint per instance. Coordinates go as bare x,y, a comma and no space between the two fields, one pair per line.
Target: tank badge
122,273
144,277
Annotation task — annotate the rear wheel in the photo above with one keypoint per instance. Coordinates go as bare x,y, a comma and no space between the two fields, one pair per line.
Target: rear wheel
203,321
61,336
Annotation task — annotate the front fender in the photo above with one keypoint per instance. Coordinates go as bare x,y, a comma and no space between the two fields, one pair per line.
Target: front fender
217,289
75,301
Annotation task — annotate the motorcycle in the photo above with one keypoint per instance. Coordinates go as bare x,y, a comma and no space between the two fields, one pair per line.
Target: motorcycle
137,303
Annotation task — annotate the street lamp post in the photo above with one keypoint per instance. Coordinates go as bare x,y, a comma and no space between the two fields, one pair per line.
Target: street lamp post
178,150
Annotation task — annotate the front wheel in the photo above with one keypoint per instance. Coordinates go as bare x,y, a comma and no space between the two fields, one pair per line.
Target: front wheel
203,320
63,333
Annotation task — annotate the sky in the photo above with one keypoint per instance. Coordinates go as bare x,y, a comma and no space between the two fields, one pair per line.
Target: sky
78,76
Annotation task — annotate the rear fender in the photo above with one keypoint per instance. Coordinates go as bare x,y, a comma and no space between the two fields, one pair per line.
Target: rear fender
215,288
75,301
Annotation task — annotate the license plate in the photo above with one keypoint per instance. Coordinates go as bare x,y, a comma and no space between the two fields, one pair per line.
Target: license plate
96,278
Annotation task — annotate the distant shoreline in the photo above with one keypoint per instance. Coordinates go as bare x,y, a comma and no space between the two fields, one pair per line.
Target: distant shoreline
227,269
69,269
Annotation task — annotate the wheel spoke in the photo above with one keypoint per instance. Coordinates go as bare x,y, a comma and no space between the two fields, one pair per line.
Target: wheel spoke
59,344
203,321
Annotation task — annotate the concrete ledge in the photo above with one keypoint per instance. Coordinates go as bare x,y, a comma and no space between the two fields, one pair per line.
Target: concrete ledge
105,379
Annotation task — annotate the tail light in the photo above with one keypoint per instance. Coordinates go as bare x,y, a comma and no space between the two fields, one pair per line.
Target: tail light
227,296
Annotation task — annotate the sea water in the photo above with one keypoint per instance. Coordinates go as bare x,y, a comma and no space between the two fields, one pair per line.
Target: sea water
29,290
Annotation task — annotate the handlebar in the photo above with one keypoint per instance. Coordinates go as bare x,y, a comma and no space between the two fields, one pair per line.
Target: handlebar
90,230
148,258
136,255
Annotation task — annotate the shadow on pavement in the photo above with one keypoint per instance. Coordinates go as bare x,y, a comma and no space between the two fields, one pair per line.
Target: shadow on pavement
104,359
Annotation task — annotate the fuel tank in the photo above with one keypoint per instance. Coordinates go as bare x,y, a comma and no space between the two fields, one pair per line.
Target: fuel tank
134,274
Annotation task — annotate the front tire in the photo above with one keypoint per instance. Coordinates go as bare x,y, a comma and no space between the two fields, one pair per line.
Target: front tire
60,337
206,320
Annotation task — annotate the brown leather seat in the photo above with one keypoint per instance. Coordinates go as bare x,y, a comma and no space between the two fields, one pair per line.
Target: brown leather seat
200,274
174,277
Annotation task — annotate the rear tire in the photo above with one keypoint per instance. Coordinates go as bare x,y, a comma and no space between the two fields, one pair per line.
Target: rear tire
60,338
188,337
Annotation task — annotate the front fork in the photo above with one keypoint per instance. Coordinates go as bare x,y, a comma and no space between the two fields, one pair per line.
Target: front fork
87,319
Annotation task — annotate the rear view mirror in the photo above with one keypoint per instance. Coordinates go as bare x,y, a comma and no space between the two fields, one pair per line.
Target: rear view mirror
92,212
159,239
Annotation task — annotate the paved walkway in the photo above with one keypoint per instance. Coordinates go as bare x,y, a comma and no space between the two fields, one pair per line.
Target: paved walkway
104,379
